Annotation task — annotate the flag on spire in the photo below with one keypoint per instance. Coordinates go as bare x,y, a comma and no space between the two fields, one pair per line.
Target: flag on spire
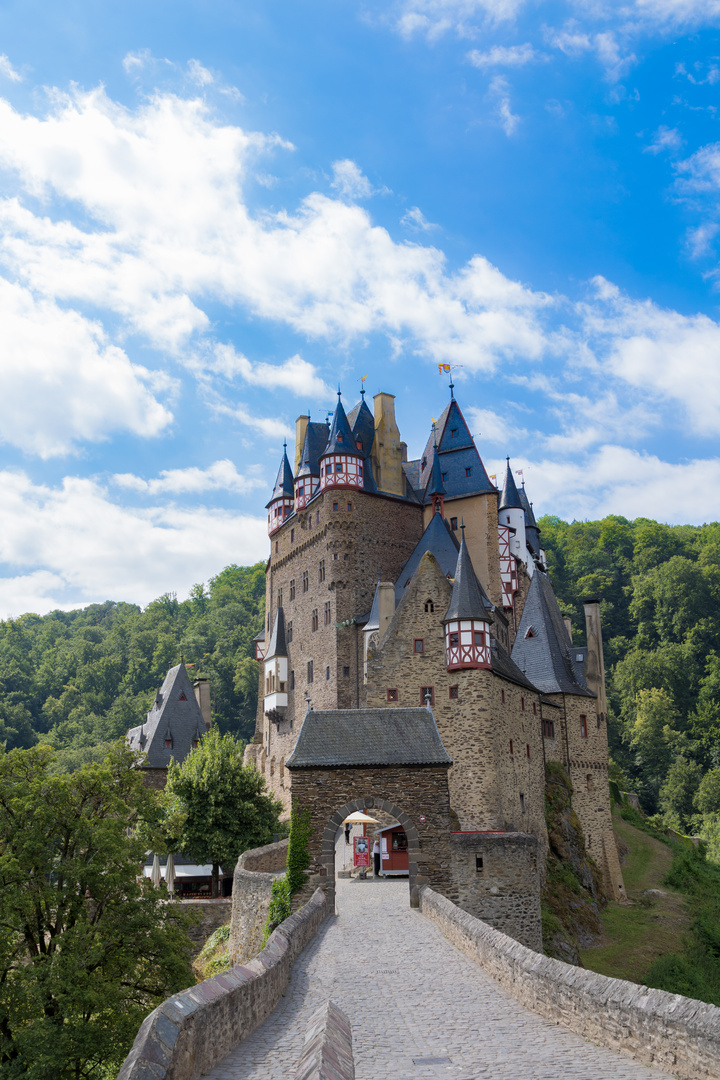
444,367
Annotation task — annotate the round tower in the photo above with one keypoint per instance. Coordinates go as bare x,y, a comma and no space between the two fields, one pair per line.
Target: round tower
511,512
467,620
280,506
341,462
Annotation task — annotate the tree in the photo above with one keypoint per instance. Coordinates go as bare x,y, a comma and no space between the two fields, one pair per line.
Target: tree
678,791
87,947
226,807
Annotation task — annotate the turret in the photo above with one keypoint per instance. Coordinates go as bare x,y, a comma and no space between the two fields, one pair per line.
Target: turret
275,700
307,477
436,489
532,532
341,462
280,506
512,513
467,620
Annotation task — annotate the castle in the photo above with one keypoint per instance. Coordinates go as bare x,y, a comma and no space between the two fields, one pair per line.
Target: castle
399,585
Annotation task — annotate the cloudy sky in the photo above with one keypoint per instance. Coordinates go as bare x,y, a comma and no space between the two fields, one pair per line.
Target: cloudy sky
212,213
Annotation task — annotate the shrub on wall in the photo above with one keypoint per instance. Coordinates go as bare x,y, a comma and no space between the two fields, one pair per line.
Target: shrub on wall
279,909
298,857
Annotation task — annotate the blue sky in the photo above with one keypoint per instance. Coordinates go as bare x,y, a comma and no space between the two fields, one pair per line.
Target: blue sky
212,213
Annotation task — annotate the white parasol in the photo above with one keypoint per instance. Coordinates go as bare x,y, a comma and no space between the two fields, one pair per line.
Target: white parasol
170,873
155,873
358,818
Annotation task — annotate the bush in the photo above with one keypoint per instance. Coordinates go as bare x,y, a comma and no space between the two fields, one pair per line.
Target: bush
298,857
280,908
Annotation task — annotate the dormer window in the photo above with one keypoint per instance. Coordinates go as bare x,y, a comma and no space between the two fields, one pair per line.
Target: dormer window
424,464
530,633
453,433
468,471
182,697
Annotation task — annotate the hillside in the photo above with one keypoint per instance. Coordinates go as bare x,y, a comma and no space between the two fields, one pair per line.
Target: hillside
81,678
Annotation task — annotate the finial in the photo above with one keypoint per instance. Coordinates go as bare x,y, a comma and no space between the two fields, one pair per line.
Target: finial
339,394
462,529
182,659
452,387
309,702
284,444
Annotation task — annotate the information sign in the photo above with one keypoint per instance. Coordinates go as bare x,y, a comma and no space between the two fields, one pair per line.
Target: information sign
362,851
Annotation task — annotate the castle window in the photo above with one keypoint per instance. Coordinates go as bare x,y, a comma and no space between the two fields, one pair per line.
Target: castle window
327,613
427,695
195,743
529,633
292,536
310,522
454,639
443,477
511,747
346,672
315,619
453,690
276,547
429,606
392,695
168,744
279,598
335,506
349,506
548,729
419,646
453,433
453,524
522,803
522,703
292,680
292,588
306,580
479,636
321,571
534,708
589,782
583,726
468,471
424,464
502,696
479,864
335,556
288,632
527,749
309,671
182,697
318,517
358,443
327,673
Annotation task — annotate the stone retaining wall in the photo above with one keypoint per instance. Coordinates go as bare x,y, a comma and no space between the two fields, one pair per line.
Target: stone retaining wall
213,913
665,1030
253,879
191,1032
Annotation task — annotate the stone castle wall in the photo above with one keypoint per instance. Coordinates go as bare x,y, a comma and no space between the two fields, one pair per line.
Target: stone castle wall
495,878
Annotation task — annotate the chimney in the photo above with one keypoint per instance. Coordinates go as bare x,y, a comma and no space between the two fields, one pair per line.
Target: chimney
386,605
595,664
387,447
202,696
568,626
300,428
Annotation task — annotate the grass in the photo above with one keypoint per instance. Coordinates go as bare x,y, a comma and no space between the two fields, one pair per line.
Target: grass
636,936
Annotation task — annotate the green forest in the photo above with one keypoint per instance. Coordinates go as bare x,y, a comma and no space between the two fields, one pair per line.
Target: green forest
79,679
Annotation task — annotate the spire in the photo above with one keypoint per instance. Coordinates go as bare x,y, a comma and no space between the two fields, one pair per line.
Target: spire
509,498
277,646
284,482
340,439
435,483
468,600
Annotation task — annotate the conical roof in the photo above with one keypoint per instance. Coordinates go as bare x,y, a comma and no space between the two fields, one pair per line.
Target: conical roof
340,439
284,485
277,646
462,468
435,483
468,601
532,532
362,425
176,711
542,646
313,446
509,498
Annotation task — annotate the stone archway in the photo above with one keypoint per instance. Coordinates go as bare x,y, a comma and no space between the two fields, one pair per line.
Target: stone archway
368,803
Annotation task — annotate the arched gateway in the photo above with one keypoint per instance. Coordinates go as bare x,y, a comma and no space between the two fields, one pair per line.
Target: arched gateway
375,759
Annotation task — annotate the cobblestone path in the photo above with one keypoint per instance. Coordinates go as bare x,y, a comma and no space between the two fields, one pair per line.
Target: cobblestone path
409,995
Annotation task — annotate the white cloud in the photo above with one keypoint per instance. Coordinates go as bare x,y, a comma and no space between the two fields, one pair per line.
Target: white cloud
64,382
7,70
220,476
296,375
500,91
574,41
617,480
349,180
488,426
126,554
136,61
199,74
700,239
505,56
415,219
433,18
665,139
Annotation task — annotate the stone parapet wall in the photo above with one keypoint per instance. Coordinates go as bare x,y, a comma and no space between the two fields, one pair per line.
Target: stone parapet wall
665,1030
213,914
191,1032
495,878
268,860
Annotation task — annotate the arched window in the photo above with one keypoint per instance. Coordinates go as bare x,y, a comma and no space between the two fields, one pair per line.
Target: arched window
429,606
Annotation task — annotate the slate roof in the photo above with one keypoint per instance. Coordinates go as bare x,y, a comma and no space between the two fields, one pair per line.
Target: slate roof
284,483
435,483
439,540
277,646
458,453
362,425
175,711
316,436
546,656
503,664
368,737
340,440
373,619
509,497
468,600
411,470
368,475
532,532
